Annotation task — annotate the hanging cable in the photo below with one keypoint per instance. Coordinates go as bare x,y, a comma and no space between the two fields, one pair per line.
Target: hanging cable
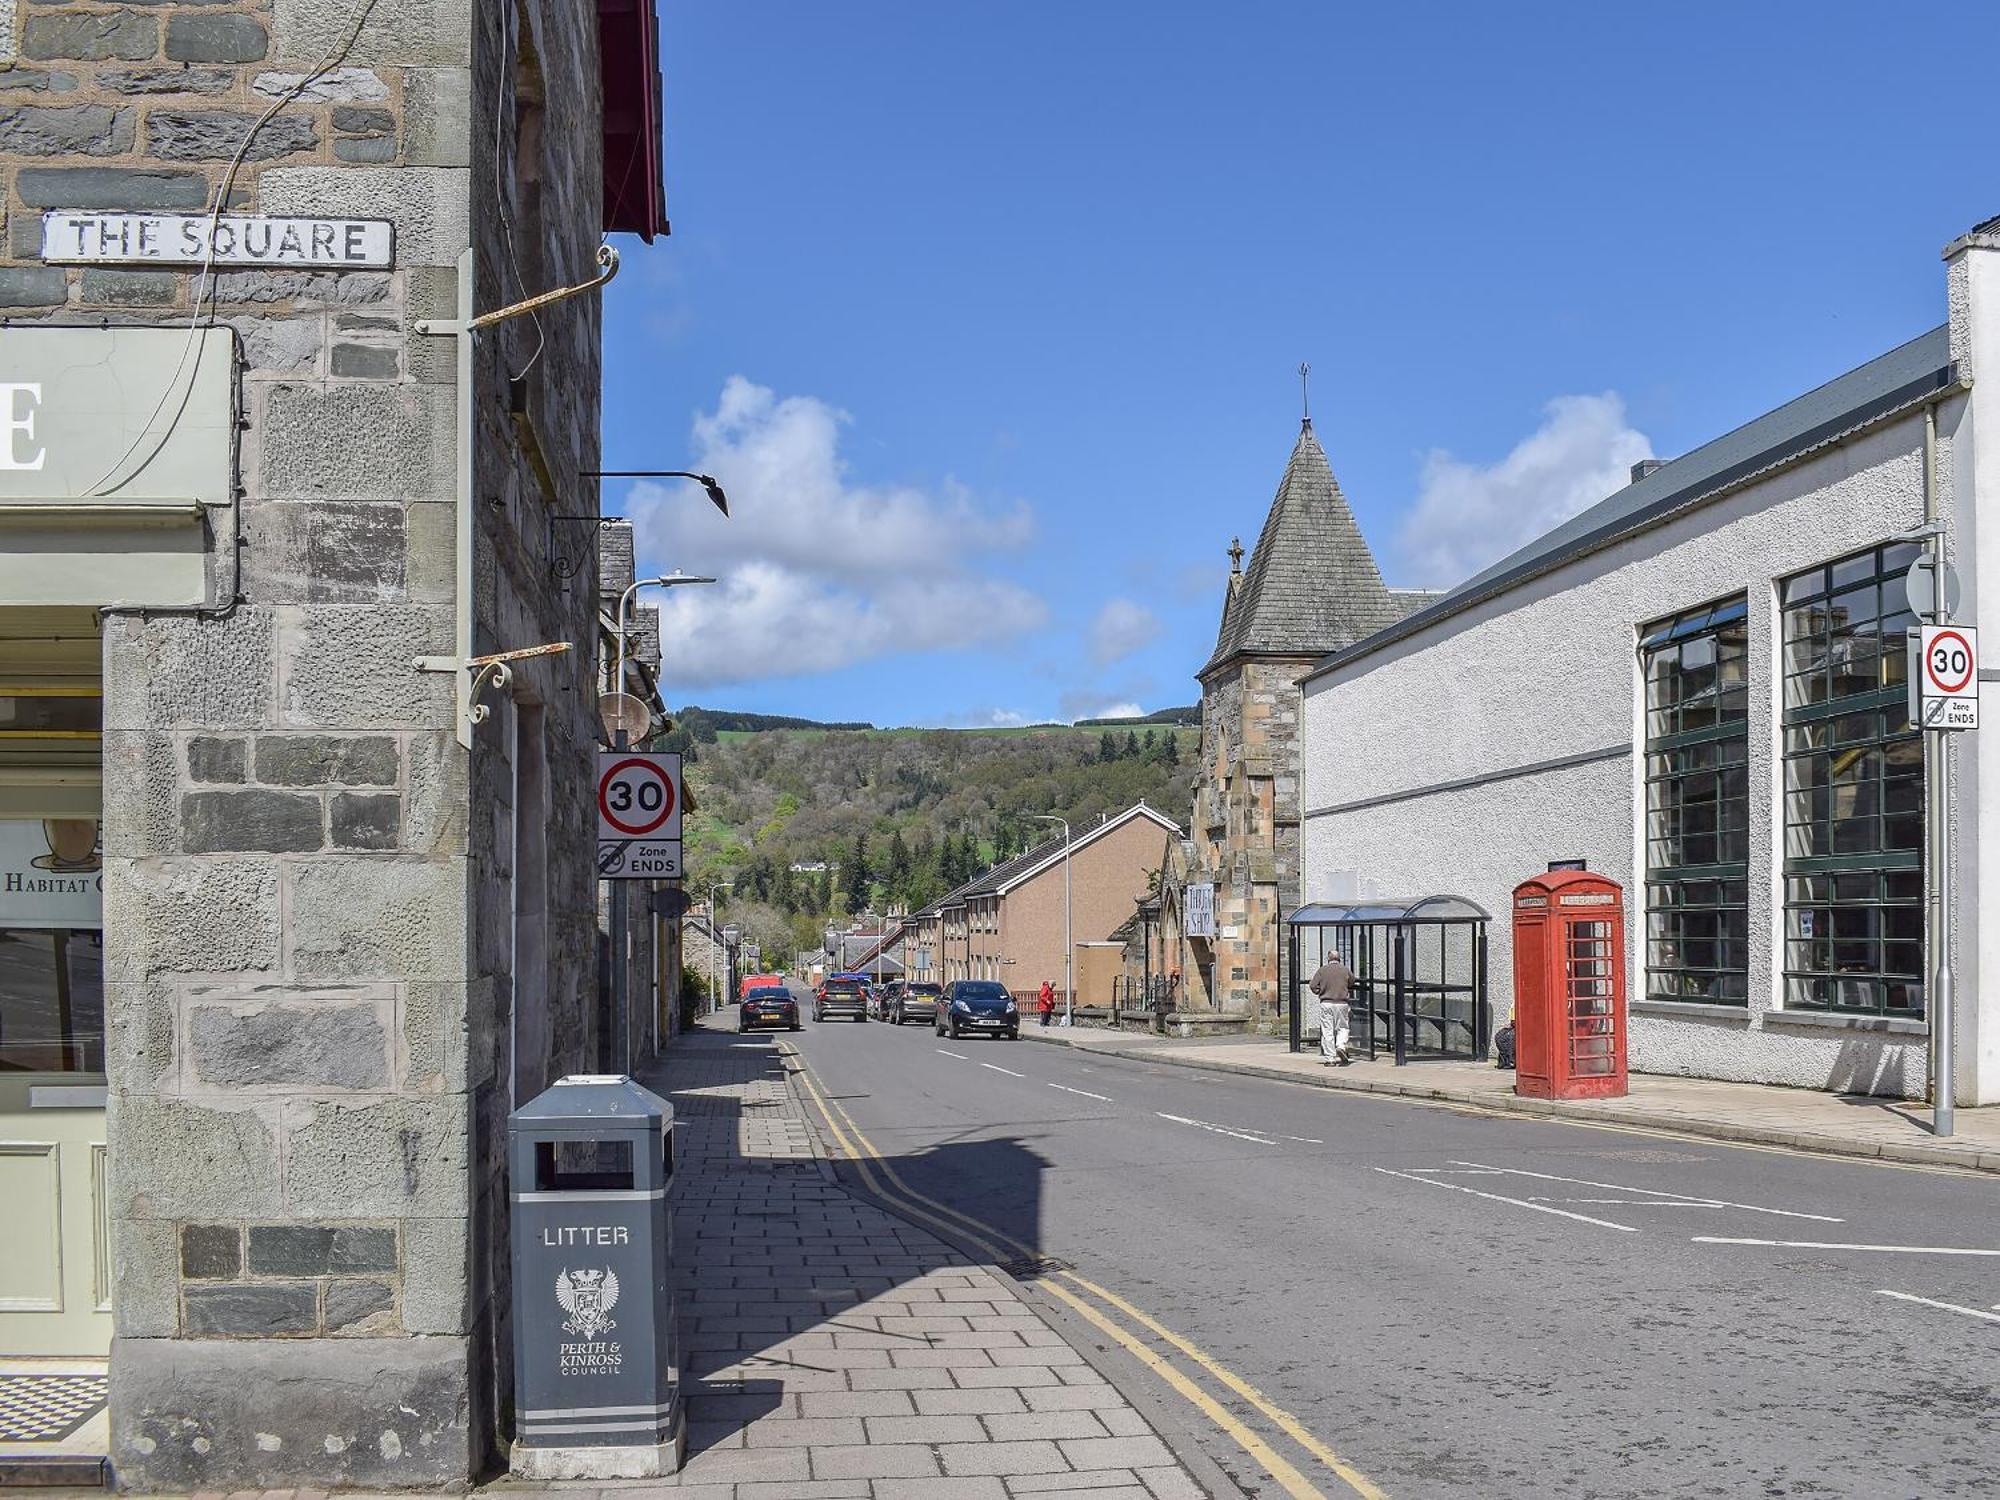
335,55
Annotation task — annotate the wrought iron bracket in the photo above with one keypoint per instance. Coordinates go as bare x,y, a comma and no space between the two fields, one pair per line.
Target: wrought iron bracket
483,672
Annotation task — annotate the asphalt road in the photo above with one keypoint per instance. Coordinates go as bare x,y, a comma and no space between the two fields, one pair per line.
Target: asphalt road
1471,1305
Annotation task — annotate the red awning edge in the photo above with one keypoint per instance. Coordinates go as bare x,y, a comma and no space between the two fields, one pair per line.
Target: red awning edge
628,49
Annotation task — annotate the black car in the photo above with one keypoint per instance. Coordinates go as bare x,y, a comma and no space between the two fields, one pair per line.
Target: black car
978,1005
768,1006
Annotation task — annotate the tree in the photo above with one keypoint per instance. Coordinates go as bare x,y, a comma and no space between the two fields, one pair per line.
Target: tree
1132,743
858,877
1170,751
1107,748
896,873
1146,745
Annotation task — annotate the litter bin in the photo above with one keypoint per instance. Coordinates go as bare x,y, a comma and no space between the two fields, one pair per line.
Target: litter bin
596,1354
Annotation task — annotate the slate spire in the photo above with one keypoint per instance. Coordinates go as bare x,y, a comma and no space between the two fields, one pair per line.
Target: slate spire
1312,585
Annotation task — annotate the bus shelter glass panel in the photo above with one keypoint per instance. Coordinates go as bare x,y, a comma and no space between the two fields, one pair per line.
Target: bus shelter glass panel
1419,969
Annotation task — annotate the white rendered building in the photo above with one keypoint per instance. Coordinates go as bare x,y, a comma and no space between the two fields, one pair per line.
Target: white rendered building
1698,686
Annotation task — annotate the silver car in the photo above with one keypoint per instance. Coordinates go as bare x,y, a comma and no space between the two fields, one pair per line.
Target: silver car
918,1000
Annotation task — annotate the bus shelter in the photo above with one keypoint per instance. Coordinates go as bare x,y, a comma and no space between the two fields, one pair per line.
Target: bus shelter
1419,976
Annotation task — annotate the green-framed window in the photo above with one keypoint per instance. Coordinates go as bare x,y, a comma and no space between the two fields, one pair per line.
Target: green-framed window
1697,668
1854,790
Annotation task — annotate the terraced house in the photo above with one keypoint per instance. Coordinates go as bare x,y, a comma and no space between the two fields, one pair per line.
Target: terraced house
296,894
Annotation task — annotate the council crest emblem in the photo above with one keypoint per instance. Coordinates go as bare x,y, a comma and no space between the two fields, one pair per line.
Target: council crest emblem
588,1297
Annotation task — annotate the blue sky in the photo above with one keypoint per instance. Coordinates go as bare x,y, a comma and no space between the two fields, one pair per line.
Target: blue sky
988,314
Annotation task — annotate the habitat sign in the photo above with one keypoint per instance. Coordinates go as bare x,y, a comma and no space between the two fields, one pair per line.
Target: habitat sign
73,237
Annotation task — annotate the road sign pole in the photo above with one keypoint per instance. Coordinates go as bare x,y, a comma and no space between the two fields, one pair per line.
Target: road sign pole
620,1051
1944,1021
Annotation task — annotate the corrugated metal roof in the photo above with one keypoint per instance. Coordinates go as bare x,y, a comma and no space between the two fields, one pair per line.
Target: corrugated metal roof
1892,382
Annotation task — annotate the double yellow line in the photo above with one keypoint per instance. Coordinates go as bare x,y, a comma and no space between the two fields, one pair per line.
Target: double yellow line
998,1247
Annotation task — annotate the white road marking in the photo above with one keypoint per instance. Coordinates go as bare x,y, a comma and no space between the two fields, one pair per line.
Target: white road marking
1459,1172
1707,1239
1306,1139
1008,1071
1970,1312
1101,1098
1218,1129
1621,1187
1540,1208
1623,1202
959,1055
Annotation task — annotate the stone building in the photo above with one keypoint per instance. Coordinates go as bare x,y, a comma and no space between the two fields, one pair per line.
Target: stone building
1311,587
298,899
653,955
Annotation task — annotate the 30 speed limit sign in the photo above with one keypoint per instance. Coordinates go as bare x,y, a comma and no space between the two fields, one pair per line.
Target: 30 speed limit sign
1948,690
638,816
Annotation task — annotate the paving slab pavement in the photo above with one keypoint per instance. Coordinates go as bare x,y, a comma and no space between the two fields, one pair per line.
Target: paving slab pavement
833,1349
1798,1119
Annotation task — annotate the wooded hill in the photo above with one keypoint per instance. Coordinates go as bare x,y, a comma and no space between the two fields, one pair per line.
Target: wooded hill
905,815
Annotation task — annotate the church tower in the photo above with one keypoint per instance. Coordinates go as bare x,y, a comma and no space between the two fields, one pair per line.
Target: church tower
1311,587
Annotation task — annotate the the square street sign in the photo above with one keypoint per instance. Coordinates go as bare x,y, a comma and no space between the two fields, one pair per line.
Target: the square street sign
638,815
1948,677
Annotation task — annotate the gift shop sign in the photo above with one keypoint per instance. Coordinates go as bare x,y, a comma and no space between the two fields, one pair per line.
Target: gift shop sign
70,237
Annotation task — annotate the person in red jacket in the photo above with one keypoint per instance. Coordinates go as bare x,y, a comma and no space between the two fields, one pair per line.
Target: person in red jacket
1046,1002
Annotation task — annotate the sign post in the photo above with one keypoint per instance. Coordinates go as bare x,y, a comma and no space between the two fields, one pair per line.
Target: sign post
1947,702
638,838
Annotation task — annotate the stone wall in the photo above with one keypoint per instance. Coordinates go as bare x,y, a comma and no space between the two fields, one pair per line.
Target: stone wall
1245,836
310,888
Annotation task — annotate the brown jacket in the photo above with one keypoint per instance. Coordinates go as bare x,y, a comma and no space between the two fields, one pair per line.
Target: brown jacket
1334,981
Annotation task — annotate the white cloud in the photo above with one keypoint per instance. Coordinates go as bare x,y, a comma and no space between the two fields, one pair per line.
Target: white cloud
1468,516
1121,627
988,718
818,572
1097,705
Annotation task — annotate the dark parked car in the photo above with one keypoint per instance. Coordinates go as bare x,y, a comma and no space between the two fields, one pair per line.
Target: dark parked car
978,1005
916,1000
768,1005
842,995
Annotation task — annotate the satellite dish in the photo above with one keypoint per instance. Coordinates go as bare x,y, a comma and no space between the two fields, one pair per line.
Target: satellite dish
625,711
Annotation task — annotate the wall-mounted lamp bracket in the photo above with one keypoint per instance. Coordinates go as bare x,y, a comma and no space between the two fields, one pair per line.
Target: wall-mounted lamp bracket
469,671
495,671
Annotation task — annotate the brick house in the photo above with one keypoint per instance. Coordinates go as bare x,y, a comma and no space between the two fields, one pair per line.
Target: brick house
1008,923
298,902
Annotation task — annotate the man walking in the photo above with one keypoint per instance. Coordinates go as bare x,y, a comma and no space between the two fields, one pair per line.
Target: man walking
1046,1001
1334,985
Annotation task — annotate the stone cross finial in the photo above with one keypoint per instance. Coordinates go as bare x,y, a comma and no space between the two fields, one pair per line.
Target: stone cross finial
1305,393
1236,554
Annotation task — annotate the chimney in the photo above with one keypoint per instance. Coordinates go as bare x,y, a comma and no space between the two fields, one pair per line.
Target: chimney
1646,466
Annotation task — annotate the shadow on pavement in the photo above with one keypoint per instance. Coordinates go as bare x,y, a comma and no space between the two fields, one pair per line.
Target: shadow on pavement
800,1299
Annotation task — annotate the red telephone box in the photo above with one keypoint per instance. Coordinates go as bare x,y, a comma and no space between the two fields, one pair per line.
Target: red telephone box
1569,986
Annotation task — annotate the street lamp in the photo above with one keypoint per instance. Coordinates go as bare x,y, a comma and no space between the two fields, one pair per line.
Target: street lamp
621,738
715,942
664,581
715,495
1069,934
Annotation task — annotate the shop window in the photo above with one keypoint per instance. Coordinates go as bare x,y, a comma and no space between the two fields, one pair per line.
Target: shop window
51,1000
1696,668
1854,791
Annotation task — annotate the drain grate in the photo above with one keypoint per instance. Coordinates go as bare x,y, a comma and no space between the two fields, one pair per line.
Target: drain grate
47,1408
1034,1267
